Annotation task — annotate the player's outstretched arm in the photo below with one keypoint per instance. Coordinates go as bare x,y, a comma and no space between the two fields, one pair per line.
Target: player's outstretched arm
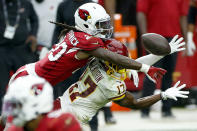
130,102
171,93
153,73
176,45
115,58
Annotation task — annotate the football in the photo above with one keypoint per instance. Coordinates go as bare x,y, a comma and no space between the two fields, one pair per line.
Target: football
155,44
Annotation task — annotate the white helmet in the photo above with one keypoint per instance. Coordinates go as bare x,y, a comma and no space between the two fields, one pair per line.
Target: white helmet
92,18
26,98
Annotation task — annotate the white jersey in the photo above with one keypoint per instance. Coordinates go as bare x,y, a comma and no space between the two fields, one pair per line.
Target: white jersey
94,89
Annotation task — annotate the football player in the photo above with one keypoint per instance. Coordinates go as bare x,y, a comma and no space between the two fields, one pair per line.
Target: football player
29,102
79,44
103,82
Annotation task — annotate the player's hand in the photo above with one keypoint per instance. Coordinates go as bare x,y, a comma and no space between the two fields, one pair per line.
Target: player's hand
176,44
33,41
191,47
155,74
174,92
133,74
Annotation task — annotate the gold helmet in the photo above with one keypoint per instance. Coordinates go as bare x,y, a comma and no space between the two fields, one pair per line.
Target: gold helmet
112,69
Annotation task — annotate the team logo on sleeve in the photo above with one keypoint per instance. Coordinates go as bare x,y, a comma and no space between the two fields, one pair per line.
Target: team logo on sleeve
37,89
84,14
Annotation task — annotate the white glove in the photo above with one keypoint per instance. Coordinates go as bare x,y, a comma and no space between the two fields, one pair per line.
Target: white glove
191,47
134,74
174,92
176,44
43,52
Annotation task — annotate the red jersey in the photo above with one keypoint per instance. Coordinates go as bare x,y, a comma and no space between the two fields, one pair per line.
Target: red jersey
163,16
61,61
54,121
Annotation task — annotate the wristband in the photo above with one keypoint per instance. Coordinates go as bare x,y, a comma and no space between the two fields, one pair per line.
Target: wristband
190,36
163,96
144,68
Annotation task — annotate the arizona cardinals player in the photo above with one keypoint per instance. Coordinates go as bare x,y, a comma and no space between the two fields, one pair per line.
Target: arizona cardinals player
78,46
102,82
29,100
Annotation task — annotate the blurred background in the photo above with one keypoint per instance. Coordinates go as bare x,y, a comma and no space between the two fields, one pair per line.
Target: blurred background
34,36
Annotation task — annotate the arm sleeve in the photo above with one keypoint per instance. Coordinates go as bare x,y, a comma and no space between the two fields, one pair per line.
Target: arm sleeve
149,59
33,20
57,30
142,6
192,15
90,44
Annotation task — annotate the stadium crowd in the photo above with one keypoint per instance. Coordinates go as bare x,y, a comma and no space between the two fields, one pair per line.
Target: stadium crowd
31,35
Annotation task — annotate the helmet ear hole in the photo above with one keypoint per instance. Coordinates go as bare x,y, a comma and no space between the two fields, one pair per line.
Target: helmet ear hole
86,26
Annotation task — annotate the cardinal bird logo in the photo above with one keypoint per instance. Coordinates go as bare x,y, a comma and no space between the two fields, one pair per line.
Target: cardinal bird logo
37,89
84,14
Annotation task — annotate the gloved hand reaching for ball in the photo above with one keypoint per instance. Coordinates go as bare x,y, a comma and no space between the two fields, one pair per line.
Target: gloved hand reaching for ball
176,44
174,92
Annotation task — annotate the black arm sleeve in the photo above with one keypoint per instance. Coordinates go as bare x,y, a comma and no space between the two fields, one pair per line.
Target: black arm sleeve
192,15
33,20
59,18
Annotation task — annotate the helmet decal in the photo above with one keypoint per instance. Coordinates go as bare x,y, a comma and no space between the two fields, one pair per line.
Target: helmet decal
92,19
37,89
32,95
84,14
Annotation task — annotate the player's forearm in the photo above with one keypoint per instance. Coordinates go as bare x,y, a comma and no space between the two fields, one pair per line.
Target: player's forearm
183,21
130,102
114,58
146,101
149,59
125,62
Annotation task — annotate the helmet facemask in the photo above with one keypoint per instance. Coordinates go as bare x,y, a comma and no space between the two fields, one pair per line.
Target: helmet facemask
104,28
115,71
13,108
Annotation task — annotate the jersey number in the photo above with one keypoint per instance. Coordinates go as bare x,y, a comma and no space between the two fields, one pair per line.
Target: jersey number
121,89
58,51
91,88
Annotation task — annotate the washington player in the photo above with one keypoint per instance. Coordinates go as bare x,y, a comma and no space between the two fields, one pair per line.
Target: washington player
29,100
78,46
102,82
